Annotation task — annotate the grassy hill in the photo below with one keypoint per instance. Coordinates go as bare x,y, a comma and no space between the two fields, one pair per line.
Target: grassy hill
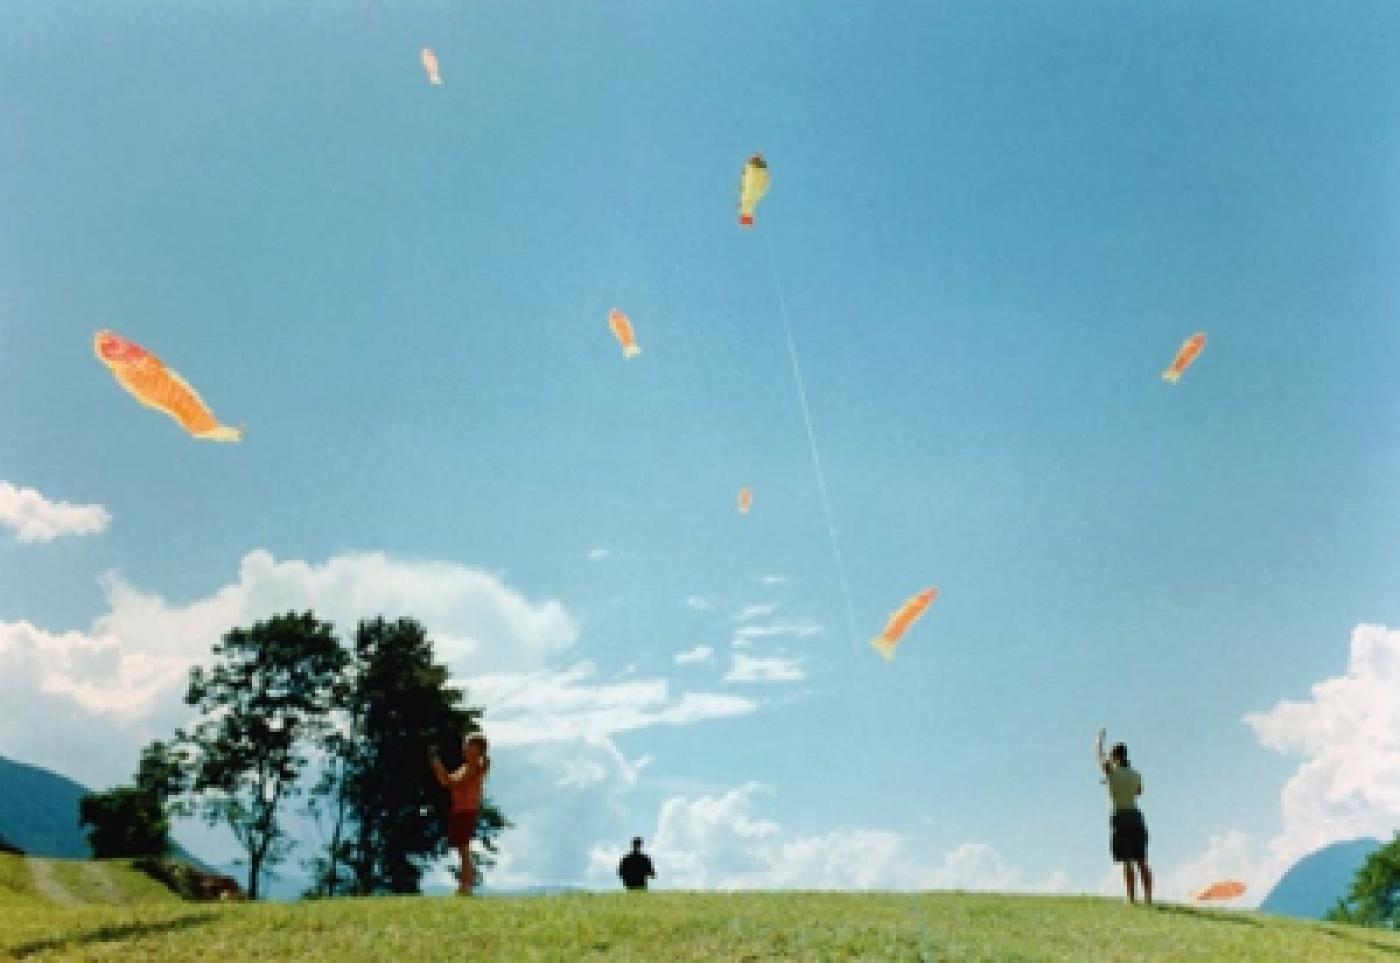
29,885
679,926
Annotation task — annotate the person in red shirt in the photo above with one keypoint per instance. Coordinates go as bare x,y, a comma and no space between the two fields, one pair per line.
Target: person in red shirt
464,783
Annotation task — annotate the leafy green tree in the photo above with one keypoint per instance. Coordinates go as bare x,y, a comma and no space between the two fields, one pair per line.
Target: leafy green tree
134,820
263,705
163,773
124,821
387,809
1374,899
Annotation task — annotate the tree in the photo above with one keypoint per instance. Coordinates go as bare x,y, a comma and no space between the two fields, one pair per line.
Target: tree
387,809
163,774
10,848
1374,899
263,704
134,820
125,822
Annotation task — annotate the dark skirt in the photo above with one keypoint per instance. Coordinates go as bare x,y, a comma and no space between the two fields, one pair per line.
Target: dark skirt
461,827
1129,835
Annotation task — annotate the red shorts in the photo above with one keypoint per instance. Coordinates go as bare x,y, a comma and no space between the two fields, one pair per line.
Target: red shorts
461,827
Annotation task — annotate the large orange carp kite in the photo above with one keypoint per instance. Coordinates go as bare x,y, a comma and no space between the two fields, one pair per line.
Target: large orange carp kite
1186,354
1224,890
745,500
430,66
156,386
900,621
753,184
622,330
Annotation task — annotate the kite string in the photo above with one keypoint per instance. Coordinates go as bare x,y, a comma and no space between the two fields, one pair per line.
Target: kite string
812,439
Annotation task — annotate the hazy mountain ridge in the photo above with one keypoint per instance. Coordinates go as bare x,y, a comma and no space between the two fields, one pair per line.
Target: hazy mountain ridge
39,813
1314,883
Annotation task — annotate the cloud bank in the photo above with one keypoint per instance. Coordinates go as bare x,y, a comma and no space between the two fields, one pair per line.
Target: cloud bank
1347,734
723,842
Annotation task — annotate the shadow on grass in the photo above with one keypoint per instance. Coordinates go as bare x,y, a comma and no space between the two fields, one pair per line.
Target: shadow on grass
1345,935
109,933
1208,916
1359,938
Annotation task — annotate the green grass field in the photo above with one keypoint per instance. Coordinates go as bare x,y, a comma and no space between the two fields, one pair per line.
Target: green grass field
665,926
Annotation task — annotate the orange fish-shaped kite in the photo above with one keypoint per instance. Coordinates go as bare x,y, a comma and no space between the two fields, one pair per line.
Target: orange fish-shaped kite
908,613
156,386
1186,354
430,65
1224,890
745,500
622,330
753,184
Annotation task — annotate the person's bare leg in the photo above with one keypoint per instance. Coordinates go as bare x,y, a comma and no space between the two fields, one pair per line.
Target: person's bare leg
464,882
1146,875
1129,881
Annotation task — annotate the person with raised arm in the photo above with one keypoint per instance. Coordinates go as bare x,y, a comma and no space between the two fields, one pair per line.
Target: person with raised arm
1127,828
464,783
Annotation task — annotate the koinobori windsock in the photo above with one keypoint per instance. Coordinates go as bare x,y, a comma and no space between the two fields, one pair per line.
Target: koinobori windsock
753,184
430,66
1186,354
622,331
900,621
156,386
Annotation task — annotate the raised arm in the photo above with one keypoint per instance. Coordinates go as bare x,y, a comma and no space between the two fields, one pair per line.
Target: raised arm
1098,752
444,777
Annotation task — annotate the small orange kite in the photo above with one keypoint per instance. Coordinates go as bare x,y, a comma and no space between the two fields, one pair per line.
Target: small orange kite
1223,890
745,500
622,330
156,386
900,621
1186,354
430,65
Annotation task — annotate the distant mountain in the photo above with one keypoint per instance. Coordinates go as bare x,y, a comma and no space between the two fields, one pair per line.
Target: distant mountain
1313,885
39,813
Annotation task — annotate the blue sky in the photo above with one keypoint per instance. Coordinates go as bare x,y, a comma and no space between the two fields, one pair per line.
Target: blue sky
993,225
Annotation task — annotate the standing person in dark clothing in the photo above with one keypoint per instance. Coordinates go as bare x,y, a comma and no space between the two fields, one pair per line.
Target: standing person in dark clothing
1128,842
636,867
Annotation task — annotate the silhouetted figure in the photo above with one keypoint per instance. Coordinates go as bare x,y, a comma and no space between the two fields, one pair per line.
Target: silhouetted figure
1128,840
636,867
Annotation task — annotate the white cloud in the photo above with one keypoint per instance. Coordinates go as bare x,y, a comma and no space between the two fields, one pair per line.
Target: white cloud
598,554
125,675
770,579
698,603
750,612
1348,784
778,628
1348,734
722,842
695,656
541,707
37,519
748,669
